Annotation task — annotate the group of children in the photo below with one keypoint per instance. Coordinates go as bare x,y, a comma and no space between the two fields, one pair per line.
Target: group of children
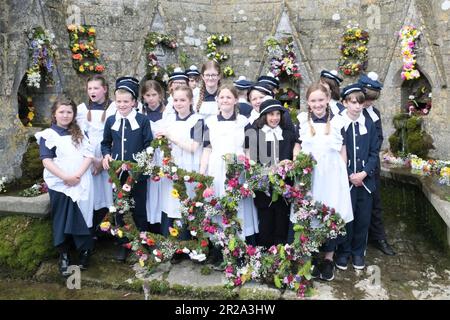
204,120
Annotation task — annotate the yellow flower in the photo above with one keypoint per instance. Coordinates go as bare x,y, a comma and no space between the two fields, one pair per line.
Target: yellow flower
141,262
358,33
120,233
175,193
81,69
30,115
173,232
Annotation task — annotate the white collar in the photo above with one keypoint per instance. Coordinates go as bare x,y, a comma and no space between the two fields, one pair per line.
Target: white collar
361,120
131,117
333,106
253,116
272,133
243,100
372,114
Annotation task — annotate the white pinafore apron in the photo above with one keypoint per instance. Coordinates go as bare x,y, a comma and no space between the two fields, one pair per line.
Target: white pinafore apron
330,180
69,159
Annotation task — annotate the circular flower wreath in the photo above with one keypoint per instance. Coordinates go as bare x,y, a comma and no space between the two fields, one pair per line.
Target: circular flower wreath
353,51
408,37
213,54
286,266
85,56
153,39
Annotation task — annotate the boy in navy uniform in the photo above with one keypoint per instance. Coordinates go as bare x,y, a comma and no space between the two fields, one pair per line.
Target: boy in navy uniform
127,133
377,234
362,153
242,85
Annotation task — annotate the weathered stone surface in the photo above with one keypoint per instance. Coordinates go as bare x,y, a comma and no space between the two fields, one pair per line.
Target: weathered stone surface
31,206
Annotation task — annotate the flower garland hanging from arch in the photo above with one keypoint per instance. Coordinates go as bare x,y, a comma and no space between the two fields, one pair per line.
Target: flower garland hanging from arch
85,55
42,57
408,42
212,53
354,58
154,70
283,60
287,266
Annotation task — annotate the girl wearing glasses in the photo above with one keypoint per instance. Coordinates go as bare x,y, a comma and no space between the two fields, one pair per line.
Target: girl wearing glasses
206,105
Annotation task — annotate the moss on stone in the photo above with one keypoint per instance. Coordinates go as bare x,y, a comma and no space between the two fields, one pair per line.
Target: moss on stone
31,166
413,123
24,243
394,142
409,136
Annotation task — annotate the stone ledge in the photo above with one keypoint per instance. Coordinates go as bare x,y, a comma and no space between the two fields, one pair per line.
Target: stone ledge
38,206
430,189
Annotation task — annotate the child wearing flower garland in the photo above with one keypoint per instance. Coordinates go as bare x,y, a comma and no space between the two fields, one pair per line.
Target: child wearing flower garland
321,134
225,134
184,130
211,74
91,117
274,143
67,156
127,133
153,95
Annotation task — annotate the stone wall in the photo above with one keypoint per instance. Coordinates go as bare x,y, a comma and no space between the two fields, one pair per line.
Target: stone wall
315,24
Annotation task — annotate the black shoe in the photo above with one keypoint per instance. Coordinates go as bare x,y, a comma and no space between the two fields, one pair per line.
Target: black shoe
384,247
327,270
83,261
178,257
315,270
215,255
121,254
64,263
358,262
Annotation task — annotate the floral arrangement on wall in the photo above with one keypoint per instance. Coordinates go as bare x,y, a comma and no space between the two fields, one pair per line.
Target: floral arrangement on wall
439,168
283,60
213,53
420,102
354,51
85,55
155,70
42,57
408,42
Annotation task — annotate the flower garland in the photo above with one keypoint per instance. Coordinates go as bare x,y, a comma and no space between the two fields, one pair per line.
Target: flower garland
213,53
2,184
85,55
420,166
42,56
28,115
419,103
408,41
35,190
283,59
152,40
287,266
354,51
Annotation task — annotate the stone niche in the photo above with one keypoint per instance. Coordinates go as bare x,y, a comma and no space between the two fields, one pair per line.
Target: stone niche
420,89
36,100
